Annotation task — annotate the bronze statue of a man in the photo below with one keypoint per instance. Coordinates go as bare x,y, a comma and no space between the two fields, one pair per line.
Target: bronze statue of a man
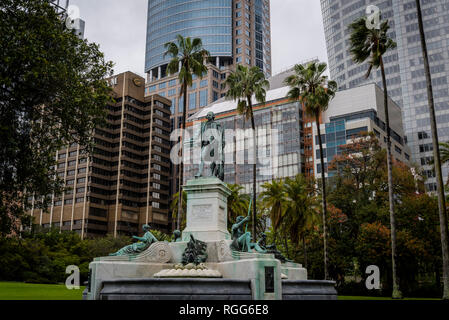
242,239
212,141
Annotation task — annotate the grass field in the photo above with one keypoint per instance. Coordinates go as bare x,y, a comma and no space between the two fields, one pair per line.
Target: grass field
30,291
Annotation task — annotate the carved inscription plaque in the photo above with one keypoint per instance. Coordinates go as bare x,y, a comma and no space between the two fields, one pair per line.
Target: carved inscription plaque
202,215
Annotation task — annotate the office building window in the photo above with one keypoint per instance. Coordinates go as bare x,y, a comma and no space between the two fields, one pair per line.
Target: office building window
81,180
192,101
203,83
173,105
203,98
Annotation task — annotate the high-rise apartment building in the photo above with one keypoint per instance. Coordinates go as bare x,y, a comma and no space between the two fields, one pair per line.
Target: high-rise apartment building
404,66
124,183
233,31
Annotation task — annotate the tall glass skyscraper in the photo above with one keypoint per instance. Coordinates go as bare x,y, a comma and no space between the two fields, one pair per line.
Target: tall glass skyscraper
404,66
233,31
209,20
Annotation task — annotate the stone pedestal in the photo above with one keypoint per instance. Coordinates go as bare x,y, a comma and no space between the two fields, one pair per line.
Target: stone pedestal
206,209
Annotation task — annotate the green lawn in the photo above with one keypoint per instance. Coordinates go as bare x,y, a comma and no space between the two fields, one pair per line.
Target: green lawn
29,291
378,298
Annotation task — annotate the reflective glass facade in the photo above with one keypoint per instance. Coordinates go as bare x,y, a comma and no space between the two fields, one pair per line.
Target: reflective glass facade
404,66
210,20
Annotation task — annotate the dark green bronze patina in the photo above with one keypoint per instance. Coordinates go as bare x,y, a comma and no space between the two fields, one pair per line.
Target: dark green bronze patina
277,254
144,243
212,139
242,238
177,236
196,252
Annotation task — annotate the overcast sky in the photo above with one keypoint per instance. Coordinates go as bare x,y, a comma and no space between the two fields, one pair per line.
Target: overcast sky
119,26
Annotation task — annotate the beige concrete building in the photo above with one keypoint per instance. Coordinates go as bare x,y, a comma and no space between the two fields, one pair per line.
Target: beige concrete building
125,182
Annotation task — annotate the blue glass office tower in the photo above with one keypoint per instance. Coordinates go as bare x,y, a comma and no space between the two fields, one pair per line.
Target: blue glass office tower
209,20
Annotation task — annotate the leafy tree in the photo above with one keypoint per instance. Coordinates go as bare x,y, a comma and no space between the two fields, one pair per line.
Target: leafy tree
101,247
237,203
52,93
187,59
370,44
161,236
359,197
314,91
243,84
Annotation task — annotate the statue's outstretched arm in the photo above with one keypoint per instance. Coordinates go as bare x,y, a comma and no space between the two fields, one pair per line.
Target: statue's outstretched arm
139,238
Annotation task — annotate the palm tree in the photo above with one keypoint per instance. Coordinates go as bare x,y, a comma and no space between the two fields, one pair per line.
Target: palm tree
370,44
314,91
174,208
237,203
444,152
244,83
187,59
301,211
273,200
437,159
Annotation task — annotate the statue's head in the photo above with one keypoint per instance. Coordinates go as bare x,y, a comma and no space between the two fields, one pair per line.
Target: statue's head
177,234
240,218
145,227
210,116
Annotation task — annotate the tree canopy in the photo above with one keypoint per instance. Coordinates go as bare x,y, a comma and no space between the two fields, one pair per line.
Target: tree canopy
52,94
